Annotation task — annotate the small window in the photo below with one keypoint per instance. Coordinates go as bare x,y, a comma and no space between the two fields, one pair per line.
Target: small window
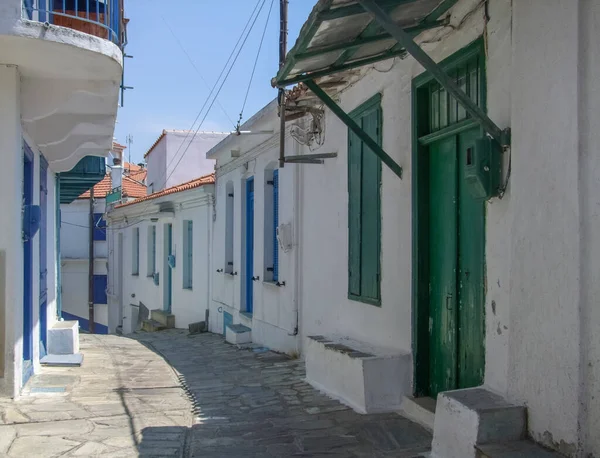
99,227
135,252
188,254
100,282
229,201
151,251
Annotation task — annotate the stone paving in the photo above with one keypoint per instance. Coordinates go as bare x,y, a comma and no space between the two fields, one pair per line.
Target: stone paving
211,399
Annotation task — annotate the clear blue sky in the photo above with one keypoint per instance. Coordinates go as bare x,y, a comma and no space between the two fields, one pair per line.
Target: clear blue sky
168,92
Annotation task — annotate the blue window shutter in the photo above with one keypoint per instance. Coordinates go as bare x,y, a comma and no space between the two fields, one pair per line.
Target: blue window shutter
100,282
188,254
275,224
99,227
153,249
135,258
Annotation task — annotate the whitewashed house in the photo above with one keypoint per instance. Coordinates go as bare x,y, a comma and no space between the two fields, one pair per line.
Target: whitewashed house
255,273
59,88
173,223
159,257
177,156
125,182
450,250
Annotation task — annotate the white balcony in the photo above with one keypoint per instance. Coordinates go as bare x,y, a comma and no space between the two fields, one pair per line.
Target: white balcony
70,60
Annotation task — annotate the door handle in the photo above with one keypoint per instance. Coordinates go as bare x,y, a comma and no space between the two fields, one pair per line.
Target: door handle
448,299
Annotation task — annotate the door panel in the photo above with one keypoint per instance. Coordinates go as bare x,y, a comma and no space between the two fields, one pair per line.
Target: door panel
443,254
43,253
470,274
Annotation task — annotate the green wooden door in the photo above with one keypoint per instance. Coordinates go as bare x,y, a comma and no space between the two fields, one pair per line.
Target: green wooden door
443,254
456,261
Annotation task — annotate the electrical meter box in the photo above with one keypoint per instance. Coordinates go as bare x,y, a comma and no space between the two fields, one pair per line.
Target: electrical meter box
483,168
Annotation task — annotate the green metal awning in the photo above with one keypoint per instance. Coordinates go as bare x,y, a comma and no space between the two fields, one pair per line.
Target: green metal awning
341,34
88,172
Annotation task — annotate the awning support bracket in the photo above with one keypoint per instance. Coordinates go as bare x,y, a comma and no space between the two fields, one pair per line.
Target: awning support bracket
354,127
407,42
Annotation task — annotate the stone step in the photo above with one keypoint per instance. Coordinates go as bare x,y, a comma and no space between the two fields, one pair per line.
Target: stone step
152,326
419,410
471,417
517,449
238,334
167,319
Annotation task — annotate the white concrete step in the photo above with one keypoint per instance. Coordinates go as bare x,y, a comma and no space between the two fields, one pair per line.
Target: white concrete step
238,334
518,449
467,418
152,326
419,410
166,319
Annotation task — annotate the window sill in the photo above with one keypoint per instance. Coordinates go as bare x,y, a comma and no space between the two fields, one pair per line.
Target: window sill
365,300
187,288
150,276
135,275
272,284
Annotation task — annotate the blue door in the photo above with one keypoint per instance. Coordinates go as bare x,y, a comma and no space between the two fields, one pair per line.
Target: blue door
169,272
27,269
249,243
43,255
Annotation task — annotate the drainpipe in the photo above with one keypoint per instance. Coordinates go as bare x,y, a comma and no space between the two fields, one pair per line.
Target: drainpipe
282,51
91,265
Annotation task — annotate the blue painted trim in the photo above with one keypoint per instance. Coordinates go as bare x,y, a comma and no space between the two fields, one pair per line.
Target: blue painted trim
27,263
249,244
169,279
85,324
57,262
227,321
100,284
99,227
43,300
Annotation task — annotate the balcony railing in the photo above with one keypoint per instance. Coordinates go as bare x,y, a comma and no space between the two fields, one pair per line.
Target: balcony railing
101,18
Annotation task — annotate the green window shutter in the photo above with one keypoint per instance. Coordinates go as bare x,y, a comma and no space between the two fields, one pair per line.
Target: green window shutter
364,208
135,267
188,250
370,214
354,211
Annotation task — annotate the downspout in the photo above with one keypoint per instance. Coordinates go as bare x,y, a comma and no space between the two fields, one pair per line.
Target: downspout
282,52
91,265
57,224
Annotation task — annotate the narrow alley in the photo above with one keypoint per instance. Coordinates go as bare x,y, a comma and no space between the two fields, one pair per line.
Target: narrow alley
170,394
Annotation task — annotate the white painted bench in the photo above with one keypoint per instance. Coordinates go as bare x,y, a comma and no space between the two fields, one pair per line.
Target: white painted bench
369,379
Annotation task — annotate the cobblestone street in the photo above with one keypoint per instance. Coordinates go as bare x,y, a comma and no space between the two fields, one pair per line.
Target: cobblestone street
210,400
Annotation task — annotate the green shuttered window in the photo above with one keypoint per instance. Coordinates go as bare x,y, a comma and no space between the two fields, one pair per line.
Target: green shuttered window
364,207
135,254
188,253
151,251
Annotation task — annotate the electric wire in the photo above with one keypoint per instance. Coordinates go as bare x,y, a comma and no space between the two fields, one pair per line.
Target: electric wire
255,63
246,31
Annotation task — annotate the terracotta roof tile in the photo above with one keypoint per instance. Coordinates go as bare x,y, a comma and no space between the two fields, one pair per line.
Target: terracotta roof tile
192,184
131,185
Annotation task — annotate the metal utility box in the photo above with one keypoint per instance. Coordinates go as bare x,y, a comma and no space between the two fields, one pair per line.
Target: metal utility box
483,168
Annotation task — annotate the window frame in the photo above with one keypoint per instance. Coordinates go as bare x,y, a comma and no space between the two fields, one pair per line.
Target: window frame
275,225
151,251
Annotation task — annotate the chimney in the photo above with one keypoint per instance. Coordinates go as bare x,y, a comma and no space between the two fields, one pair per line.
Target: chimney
116,175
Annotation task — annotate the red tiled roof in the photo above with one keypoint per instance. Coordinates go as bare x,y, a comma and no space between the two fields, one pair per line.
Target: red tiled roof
131,187
192,184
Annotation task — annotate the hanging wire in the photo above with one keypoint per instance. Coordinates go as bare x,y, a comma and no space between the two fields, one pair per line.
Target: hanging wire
262,38
211,92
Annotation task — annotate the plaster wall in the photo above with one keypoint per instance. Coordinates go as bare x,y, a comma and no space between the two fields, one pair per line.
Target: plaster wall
74,216
274,319
589,171
156,166
326,309
186,156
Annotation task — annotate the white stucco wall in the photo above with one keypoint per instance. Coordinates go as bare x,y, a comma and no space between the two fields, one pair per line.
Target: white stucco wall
11,189
274,319
326,309
186,156
188,306
156,166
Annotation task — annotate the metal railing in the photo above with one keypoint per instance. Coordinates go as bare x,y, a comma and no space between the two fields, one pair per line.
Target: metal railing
101,18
